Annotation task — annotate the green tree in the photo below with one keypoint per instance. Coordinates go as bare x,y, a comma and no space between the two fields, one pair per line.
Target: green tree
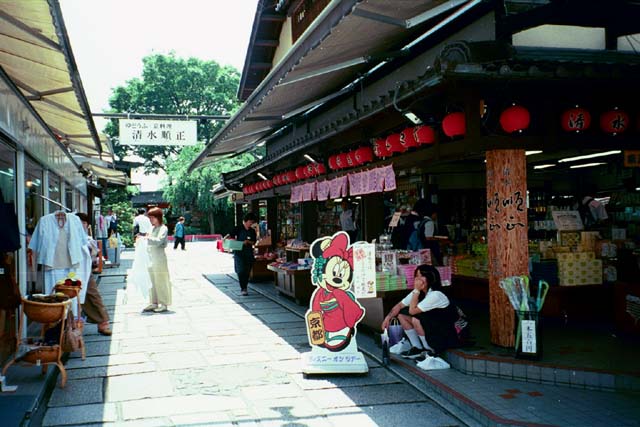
119,199
194,189
172,85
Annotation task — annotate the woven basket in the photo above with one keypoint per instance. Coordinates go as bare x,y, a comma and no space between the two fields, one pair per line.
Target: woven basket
45,354
70,291
43,312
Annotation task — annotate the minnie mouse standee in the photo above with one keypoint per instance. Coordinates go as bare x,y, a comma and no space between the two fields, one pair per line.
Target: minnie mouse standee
334,312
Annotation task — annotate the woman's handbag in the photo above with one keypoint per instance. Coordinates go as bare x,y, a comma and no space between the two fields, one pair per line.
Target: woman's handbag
72,339
395,331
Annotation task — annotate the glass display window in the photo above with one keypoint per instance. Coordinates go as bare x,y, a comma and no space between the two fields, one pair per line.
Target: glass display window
7,173
34,204
54,192
68,197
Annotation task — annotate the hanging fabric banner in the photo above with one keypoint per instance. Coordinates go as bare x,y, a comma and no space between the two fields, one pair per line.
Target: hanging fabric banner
296,193
309,191
355,183
322,189
389,178
338,187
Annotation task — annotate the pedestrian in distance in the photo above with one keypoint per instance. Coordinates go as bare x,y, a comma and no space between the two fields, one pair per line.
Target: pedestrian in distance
160,293
243,259
178,234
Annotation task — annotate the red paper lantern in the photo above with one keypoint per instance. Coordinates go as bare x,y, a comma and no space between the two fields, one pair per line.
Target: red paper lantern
407,138
364,155
614,121
575,120
291,177
333,164
277,180
311,169
424,135
394,145
341,160
351,159
454,125
301,172
320,169
515,118
380,148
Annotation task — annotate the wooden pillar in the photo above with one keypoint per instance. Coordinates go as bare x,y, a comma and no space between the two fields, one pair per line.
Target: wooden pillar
506,234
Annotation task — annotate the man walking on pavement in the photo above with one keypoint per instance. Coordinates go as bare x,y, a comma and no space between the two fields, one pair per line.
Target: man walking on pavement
243,259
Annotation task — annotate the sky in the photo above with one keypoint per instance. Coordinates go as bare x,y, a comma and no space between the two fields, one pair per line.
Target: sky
109,38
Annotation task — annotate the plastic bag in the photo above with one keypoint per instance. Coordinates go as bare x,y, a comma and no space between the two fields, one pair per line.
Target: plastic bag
432,363
138,277
395,331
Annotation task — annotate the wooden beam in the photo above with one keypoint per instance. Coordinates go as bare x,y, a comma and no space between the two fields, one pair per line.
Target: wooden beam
32,32
266,43
260,65
272,17
39,95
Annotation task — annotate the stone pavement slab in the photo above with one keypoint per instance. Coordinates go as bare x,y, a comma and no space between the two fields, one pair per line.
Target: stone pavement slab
176,405
111,371
80,414
78,392
138,386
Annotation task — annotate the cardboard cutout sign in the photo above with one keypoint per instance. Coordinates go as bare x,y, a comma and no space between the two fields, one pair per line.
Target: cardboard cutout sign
334,311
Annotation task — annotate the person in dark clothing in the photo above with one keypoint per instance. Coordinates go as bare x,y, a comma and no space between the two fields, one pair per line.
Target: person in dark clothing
243,259
178,234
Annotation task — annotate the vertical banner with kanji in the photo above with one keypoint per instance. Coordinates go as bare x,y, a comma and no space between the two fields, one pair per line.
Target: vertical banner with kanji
364,270
507,235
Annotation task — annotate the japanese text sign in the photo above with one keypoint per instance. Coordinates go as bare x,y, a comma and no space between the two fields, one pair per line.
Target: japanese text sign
158,132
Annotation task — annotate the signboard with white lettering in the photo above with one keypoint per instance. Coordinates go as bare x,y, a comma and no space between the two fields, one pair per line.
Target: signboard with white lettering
158,132
567,220
363,283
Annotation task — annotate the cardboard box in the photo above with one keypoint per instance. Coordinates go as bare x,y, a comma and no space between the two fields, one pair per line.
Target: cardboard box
582,272
588,240
575,256
569,238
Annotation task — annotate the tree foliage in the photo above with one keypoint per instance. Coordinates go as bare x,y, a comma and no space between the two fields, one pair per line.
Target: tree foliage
118,198
194,189
172,85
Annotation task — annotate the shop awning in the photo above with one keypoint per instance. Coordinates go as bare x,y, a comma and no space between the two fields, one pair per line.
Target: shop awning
345,41
36,54
110,175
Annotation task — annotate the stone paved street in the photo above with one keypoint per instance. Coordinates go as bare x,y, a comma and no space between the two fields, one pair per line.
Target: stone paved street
219,359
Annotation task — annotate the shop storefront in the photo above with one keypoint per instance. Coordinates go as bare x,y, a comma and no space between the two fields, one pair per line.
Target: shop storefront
46,134
497,150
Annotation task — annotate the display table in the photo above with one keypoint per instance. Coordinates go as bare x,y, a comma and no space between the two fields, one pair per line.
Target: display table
259,271
48,315
378,307
293,283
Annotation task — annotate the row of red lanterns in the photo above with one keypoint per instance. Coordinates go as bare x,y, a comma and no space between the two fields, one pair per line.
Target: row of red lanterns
357,157
401,142
577,119
257,187
300,173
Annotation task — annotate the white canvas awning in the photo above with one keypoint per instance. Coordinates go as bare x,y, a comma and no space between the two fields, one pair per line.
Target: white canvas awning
36,54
